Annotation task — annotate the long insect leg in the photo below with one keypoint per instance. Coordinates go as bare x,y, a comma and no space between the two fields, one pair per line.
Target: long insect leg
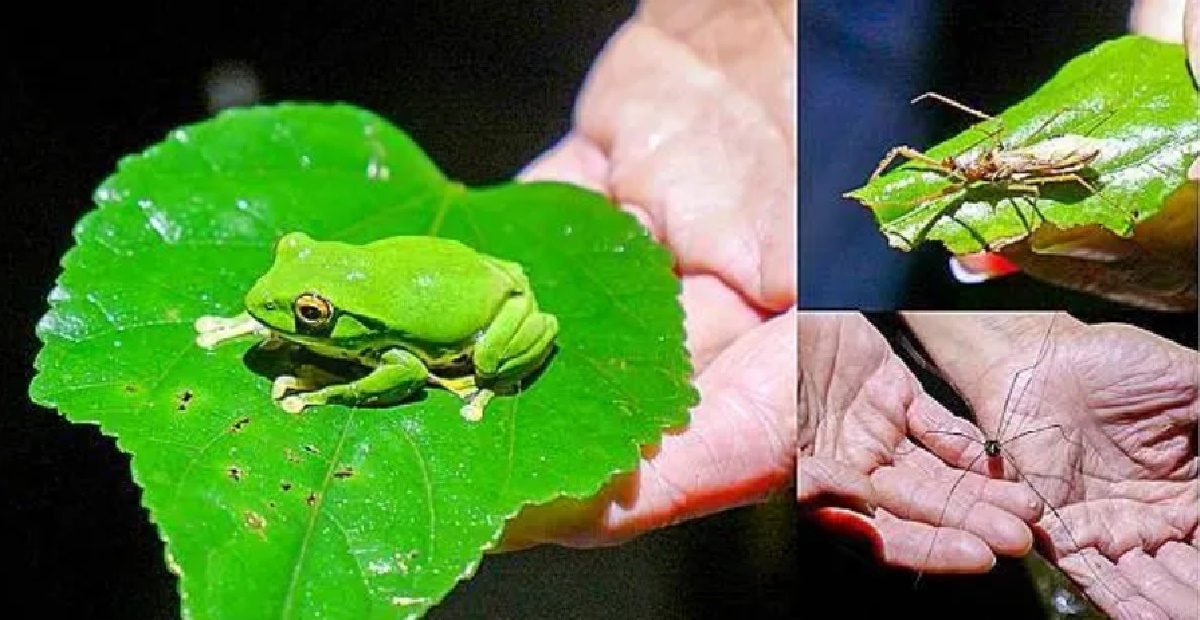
986,118
1074,543
1130,218
911,153
1043,351
1046,123
942,517
954,103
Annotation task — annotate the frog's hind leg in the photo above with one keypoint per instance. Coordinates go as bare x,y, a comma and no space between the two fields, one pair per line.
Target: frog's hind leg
516,343
512,347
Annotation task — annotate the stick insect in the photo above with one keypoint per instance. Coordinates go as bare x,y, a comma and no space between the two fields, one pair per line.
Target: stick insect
995,449
1024,170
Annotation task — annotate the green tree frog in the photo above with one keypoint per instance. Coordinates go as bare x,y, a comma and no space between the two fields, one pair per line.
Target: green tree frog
405,307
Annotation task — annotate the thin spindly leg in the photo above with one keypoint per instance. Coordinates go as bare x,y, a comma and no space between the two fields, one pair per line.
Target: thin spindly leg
1046,123
1075,178
988,134
953,103
911,153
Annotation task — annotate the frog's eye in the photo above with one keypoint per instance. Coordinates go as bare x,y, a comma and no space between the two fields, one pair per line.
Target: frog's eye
312,310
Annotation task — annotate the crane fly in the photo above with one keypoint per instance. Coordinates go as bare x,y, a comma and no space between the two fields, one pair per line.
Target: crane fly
1062,159
995,449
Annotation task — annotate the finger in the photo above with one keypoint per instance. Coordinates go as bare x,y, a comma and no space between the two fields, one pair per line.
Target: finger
1116,526
1191,38
956,441
739,447
1014,497
1157,584
726,317
963,501
825,482
1161,19
928,549
577,160
1106,586
724,197
1183,561
852,529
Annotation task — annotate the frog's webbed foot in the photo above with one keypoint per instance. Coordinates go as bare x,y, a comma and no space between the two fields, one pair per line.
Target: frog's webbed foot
474,397
213,330
288,383
296,403
472,409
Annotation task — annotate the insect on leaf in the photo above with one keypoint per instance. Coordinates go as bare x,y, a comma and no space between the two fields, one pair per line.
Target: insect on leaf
344,512
1130,99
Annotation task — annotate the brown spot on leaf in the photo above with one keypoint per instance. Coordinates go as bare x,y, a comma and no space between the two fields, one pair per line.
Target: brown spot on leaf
255,521
239,425
235,473
311,500
346,471
285,485
185,398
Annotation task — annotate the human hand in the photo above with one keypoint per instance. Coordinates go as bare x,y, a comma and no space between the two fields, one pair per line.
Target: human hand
857,402
686,122
1103,427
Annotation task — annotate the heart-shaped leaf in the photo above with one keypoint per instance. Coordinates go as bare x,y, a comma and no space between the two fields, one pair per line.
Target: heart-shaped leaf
1131,98
344,512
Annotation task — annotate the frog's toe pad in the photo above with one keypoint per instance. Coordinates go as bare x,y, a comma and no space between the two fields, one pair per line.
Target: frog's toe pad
282,385
293,404
472,409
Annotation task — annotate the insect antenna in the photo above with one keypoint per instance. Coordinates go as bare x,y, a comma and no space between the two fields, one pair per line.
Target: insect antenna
992,134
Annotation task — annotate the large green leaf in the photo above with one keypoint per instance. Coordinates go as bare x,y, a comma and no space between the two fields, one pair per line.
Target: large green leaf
344,512
1133,95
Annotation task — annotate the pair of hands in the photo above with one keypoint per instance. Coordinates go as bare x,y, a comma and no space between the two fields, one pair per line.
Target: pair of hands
1102,424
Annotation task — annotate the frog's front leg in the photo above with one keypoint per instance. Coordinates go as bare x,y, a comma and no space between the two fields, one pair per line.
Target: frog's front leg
399,372
213,330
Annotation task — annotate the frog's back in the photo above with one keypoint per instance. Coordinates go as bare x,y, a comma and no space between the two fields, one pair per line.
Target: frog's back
438,290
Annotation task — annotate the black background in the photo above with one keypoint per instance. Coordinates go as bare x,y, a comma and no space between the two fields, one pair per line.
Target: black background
483,87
